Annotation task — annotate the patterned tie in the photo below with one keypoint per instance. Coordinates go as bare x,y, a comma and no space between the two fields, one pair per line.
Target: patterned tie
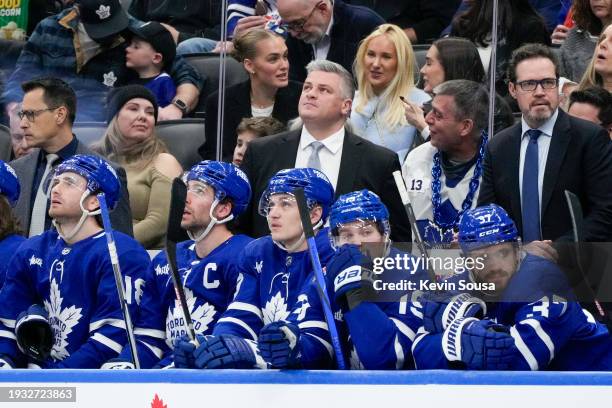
531,198
313,161
39,211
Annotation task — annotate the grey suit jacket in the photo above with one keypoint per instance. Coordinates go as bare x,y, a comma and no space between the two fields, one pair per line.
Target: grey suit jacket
6,148
25,167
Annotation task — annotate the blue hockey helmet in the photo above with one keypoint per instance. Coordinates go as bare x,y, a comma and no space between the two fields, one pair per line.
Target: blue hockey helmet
317,188
100,176
485,226
359,205
227,180
9,183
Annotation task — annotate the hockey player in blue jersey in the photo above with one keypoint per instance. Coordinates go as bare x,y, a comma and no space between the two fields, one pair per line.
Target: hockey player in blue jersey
10,235
217,193
518,318
59,307
377,329
280,268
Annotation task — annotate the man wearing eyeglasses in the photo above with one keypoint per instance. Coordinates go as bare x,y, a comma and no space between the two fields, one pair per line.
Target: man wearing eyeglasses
324,29
528,166
46,117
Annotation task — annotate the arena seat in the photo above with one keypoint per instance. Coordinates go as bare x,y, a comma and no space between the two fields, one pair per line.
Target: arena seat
207,65
183,137
89,132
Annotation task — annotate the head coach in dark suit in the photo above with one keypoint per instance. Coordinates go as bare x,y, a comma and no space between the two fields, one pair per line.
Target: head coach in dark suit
46,117
324,142
528,166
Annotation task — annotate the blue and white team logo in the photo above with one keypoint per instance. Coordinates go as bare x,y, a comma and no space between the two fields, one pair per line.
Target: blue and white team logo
62,321
202,316
275,309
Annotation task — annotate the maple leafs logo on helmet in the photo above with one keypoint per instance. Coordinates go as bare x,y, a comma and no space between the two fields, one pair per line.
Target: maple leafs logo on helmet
9,183
359,205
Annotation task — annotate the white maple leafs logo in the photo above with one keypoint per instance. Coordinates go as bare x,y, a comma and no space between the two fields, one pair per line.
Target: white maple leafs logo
62,320
275,309
103,12
109,79
356,363
202,316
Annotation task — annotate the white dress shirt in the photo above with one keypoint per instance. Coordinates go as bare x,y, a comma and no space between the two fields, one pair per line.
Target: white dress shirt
330,155
321,48
543,146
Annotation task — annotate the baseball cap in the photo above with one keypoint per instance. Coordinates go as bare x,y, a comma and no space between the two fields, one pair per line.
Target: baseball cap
102,18
160,39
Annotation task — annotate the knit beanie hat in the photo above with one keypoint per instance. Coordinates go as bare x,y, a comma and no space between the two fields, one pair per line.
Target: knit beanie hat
118,97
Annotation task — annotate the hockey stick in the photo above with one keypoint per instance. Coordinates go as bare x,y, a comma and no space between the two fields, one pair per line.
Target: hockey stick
176,234
576,215
112,251
401,188
319,277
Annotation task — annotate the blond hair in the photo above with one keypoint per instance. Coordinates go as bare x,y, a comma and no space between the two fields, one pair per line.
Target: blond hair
400,85
591,78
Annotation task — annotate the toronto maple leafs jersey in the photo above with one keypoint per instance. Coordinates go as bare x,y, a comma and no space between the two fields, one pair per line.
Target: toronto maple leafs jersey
549,332
417,174
279,285
76,285
210,284
8,247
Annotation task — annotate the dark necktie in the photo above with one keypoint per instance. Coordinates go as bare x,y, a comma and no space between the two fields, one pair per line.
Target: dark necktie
530,198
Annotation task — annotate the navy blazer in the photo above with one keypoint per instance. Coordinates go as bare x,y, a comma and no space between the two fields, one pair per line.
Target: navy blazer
351,25
579,160
363,165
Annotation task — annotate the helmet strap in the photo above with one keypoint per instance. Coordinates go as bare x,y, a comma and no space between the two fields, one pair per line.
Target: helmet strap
213,221
84,214
300,241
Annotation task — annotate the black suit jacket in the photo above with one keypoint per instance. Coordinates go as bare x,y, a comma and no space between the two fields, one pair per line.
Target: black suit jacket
363,165
25,167
351,25
237,107
579,160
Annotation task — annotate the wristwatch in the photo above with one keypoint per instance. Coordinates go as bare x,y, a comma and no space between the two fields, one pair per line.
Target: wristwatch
181,105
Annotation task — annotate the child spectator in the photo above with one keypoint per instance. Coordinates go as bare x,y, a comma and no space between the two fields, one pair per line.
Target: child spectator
150,53
251,128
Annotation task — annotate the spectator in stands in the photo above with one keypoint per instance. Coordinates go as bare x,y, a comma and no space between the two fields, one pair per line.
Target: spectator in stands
519,23
19,146
599,71
448,59
252,128
384,68
592,104
267,92
577,49
46,117
422,20
10,232
324,29
97,63
130,140
150,53
325,143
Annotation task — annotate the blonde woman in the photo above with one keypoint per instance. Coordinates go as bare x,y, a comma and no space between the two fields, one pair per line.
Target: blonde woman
130,140
599,71
384,68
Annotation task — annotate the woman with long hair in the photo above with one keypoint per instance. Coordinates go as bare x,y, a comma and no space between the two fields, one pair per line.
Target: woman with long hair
599,71
11,235
130,140
267,92
384,69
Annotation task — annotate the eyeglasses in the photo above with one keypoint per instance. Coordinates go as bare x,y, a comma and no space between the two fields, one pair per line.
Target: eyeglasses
298,25
31,115
530,85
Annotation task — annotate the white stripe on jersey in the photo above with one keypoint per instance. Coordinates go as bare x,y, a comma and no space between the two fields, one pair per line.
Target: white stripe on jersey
399,353
313,324
239,323
7,334
249,11
324,343
155,350
246,307
158,334
8,323
118,323
537,327
402,327
523,349
111,344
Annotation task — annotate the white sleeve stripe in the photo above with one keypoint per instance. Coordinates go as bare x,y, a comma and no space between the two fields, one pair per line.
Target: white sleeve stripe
403,327
523,349
246,307
155,350
7,334
158,334
326,344
249,11
421,333
537,327
118,323
399,353
239,323
111,344
8,323
313,324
